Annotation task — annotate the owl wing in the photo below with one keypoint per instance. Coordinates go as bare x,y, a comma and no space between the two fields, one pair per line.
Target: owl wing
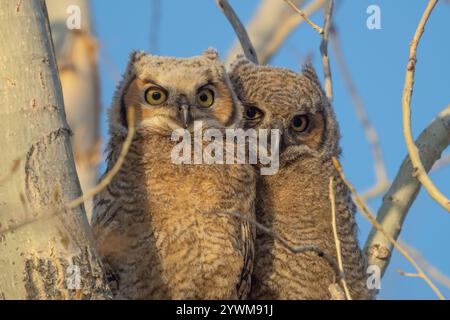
248,251
354,260
102,225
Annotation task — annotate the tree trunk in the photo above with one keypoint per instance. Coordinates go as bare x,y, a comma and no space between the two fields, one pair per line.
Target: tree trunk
76,53
42,255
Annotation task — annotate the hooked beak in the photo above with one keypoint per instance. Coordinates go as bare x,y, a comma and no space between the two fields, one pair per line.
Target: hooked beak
184,115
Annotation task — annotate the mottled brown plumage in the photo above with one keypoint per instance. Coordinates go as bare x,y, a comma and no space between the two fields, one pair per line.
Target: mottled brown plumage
162,228
294,203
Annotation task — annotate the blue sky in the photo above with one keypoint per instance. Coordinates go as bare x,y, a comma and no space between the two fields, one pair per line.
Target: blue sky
377,60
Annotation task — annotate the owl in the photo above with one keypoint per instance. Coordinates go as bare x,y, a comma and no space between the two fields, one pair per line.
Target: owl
294,203
163,229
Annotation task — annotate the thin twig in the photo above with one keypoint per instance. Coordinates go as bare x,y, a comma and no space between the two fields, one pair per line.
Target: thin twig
408,274
294,249
366,212
305,17
99,187
336,238
382,182
239,29
115,169
271,25
419,170
434,272
324,51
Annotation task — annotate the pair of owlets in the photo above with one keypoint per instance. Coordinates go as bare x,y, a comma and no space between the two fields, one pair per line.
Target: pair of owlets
170,231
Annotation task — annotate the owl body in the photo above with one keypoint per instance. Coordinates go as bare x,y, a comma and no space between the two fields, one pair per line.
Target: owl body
294,203
162,228
299,211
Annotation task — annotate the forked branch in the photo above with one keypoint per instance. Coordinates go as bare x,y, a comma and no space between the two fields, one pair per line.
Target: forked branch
305,17
366,212
272,24
434,272
404,189
419,171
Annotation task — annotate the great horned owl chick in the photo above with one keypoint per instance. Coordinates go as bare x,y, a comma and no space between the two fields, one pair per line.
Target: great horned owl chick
160,226
294,203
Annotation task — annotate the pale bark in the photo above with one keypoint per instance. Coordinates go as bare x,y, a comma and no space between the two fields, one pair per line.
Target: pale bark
239,29
419,170
403,191
76,53
39,258
272,24
389,237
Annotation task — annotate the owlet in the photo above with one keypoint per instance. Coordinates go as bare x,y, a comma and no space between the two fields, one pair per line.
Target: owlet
294,203
162,227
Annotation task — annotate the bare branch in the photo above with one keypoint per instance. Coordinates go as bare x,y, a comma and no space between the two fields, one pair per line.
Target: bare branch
239,28
403,191
324,51
382,182
419,170
271,25
98,188
336,238
305,17
366,212
408,274
434,272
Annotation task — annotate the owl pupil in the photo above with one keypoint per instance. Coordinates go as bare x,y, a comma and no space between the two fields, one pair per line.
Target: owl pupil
156,95
298,121
204,98
251,112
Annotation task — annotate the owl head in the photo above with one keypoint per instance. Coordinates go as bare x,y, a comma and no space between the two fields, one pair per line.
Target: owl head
294,103
171,93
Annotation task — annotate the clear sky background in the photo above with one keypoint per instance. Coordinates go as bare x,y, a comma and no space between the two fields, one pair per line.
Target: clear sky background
377,61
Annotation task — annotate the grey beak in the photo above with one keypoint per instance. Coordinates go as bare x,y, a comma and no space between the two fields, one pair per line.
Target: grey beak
184,114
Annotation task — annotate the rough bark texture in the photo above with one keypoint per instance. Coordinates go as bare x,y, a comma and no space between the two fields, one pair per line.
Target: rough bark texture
76,53
403,191
38,258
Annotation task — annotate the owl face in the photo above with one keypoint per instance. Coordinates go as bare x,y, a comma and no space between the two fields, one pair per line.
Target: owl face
171,93
293,103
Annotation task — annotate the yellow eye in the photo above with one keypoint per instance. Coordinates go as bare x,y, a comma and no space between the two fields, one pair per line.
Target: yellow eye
205,98
300,123
155,96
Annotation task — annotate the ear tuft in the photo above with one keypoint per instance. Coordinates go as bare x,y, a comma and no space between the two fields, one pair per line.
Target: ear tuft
309,72
239,61
211,54
136,55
